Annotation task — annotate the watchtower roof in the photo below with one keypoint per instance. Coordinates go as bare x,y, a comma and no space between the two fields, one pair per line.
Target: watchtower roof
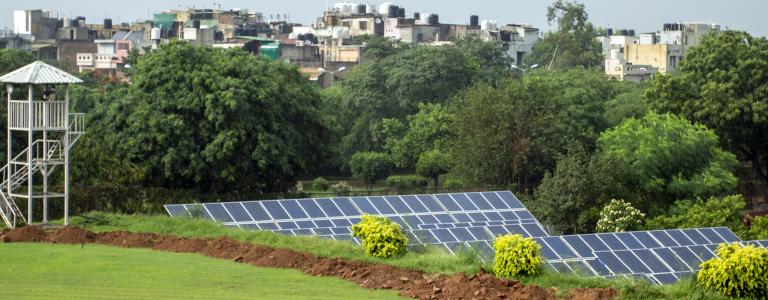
39,73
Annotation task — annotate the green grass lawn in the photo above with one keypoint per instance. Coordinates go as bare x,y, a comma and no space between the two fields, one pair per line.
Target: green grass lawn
433,260
46,271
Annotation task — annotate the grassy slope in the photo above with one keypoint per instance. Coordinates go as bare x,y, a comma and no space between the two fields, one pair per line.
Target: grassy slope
433,260
45,271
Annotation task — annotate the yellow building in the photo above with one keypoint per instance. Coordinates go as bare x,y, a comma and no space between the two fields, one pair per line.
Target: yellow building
665,57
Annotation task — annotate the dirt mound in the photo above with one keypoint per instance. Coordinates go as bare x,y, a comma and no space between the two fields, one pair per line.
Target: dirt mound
592,294
26,234
410,283
476,286
72,235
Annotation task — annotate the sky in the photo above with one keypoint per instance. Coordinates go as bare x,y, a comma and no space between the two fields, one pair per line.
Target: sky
643,16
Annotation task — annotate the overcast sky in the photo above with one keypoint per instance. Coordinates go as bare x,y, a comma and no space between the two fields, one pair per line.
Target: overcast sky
644,16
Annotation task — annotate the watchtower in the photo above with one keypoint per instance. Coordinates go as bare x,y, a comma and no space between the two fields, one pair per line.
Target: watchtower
41,132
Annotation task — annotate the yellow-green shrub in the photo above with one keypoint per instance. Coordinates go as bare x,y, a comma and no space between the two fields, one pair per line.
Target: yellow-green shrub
516,255
738,271
380,236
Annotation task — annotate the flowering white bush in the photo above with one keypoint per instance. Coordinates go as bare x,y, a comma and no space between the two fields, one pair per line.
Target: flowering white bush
619,216
342,188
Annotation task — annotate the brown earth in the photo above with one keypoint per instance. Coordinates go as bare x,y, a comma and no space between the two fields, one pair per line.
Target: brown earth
410,283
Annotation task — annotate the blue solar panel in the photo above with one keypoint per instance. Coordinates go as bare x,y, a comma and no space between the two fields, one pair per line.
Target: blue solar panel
330,209
727,234
381,205
218,212
478,200
399,205
312,209
176,210
275,210
237,211
473,220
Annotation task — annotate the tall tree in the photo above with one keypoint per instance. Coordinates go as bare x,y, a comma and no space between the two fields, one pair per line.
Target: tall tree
723,83
511,134
665,158
573,45
219,120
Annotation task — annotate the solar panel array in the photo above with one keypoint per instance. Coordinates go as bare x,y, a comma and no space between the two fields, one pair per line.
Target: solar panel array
661,256
473,220
452,221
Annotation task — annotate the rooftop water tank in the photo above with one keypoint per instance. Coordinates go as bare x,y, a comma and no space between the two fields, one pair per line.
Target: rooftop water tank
154,34
474,20
384,8
369,9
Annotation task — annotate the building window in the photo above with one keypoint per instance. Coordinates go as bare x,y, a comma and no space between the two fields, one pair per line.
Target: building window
122,46
363,25
419,37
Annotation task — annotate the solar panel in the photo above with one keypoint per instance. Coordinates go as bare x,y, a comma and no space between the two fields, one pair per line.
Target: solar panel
460,221
452,221
662,256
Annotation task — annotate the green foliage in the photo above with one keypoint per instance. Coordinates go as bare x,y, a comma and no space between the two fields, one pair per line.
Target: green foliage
516,255
738,271
569,197
722,83
619,216
715,212
665,158
320,184
573,45
12,59
407,183
426,130
628,104
370,166
217,120
450,183
512,133
759,229
393,87
432,164
489,57
380,236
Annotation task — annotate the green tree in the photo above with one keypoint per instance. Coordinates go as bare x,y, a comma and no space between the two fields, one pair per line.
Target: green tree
428,129
491,60
432,164
513,133
570,197
370,167
394,86
628,104
665,158
218,120
715,212
619,216
573,45
722,83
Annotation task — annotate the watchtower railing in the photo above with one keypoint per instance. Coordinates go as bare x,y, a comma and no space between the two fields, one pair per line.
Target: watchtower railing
45,115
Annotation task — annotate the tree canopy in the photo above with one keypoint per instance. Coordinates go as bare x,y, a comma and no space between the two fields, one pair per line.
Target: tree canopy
573,45
723,83
217,120
665,158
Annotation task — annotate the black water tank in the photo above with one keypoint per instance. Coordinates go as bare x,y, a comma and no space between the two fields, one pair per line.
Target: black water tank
631,32
107,23
393,12
361,8
434,19
474,20
196,24
73,23
416,16
624,32
667,26
610,31
401,13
